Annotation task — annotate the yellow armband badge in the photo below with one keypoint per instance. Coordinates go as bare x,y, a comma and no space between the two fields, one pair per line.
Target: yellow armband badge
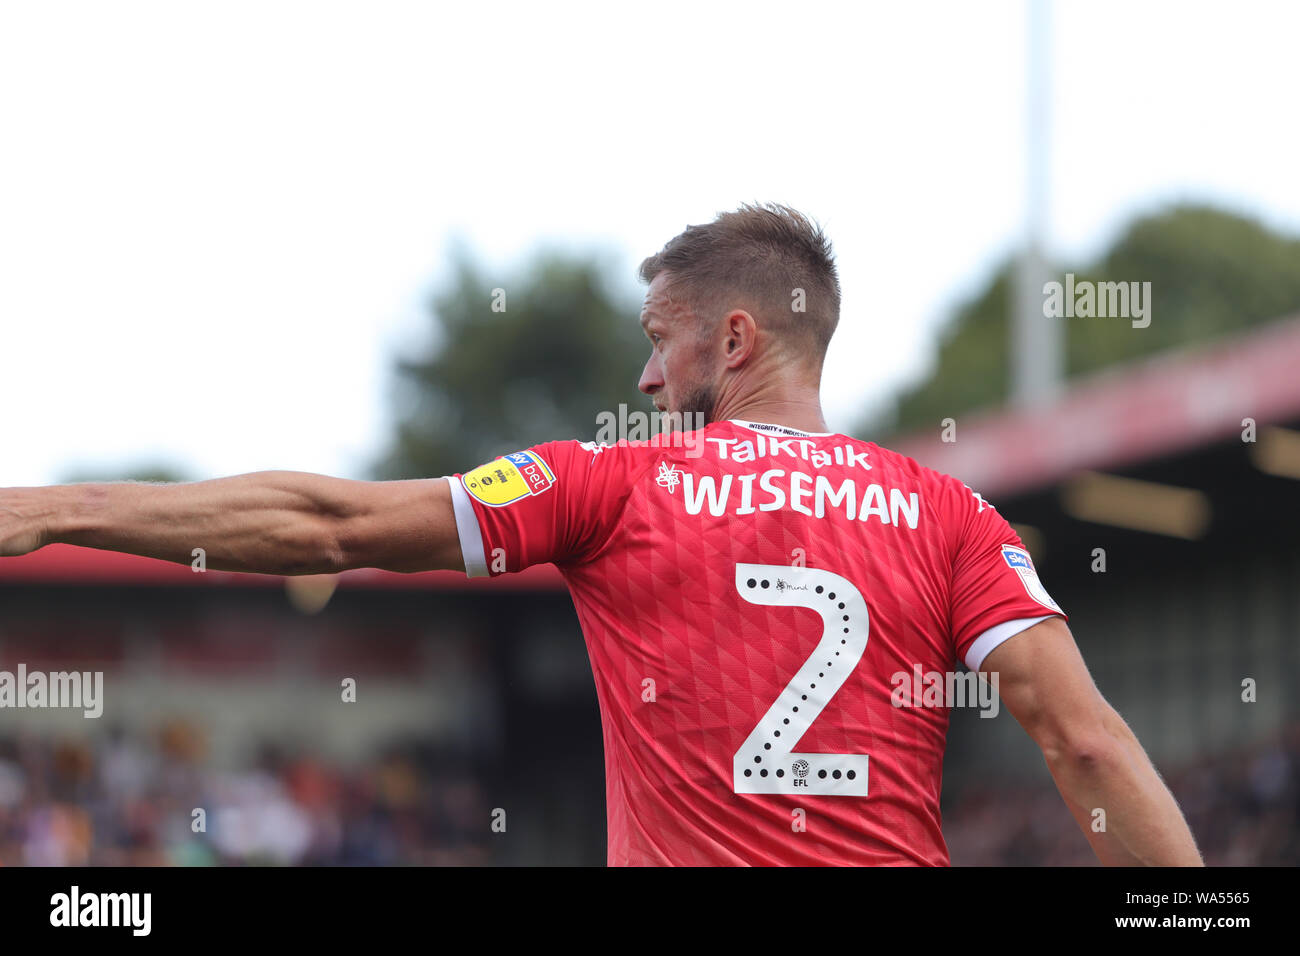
509,479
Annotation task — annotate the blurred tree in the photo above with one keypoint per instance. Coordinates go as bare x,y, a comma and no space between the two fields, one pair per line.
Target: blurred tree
1211,273
145,471
514,362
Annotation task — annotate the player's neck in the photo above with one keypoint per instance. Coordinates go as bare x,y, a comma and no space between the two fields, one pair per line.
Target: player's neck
800,412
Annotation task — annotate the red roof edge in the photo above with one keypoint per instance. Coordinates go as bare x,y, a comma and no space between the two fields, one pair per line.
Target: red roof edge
1124,415
66,564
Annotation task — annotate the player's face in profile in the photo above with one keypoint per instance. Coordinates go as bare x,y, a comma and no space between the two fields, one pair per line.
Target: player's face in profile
677,376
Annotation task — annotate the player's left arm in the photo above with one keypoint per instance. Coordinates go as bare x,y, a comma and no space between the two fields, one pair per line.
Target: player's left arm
1093,756
269,522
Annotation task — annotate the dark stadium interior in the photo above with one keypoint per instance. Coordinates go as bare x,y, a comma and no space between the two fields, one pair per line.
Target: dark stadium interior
1170,630
523,733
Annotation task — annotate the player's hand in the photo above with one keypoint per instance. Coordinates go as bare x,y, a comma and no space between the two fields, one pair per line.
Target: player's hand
23,525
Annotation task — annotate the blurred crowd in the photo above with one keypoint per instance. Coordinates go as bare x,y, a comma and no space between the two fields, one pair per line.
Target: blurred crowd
129,801
1243,807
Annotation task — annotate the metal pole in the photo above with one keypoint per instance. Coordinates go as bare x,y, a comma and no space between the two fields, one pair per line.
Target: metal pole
1037,342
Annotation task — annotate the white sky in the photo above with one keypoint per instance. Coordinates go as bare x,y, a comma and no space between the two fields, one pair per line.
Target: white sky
219,222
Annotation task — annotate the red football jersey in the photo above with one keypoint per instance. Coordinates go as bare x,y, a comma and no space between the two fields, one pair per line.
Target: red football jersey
749,595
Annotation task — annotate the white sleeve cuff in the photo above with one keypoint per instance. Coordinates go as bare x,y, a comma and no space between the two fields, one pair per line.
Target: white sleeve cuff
994,636
471,538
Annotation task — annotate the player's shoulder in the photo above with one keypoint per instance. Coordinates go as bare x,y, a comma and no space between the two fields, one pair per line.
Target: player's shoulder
714,438
596,460
594,450
635,449
904,466
950,497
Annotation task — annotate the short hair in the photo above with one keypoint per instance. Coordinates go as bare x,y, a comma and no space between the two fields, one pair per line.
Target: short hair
765,257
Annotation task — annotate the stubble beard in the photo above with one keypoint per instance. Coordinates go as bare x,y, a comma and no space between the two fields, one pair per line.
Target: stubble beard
696,407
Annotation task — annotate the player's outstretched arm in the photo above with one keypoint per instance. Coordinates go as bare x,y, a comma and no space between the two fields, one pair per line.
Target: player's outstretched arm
1094,757
269,522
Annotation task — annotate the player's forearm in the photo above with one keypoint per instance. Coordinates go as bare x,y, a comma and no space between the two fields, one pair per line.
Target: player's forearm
270,522
1142,824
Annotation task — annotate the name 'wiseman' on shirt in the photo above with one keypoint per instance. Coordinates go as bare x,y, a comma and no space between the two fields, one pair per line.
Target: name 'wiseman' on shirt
777,488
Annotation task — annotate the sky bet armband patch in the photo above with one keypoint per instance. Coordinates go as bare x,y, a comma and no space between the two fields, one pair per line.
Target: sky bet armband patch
509,479
1019,561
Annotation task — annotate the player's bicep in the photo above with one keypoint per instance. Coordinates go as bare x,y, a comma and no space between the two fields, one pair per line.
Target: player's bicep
1043,681
405,526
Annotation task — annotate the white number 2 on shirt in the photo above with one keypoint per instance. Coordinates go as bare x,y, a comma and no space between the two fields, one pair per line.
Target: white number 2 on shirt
765,762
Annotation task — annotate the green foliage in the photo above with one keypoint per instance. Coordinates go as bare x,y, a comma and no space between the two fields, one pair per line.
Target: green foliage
144,471
1212,273
564,348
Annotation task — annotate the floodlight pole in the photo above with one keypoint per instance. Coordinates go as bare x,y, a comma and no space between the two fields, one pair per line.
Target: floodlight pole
1037,342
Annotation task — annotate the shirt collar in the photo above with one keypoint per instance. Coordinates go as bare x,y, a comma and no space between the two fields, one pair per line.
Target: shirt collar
768,428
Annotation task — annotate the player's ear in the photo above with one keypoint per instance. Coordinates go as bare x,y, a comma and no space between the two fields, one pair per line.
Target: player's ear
741,334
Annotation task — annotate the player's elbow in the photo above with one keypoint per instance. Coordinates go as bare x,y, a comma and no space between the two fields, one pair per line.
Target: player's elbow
1090,747
336,560
348,544
1082,753
318,554
365,540
303,545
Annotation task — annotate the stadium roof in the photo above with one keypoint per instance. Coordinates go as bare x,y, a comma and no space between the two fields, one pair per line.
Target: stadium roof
1125,415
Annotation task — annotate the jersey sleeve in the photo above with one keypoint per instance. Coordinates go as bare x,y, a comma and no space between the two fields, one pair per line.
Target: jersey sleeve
555,502
995,591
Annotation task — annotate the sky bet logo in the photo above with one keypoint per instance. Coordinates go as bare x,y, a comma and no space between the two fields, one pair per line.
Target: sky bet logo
533,470
509,479
1019,561
1016,558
